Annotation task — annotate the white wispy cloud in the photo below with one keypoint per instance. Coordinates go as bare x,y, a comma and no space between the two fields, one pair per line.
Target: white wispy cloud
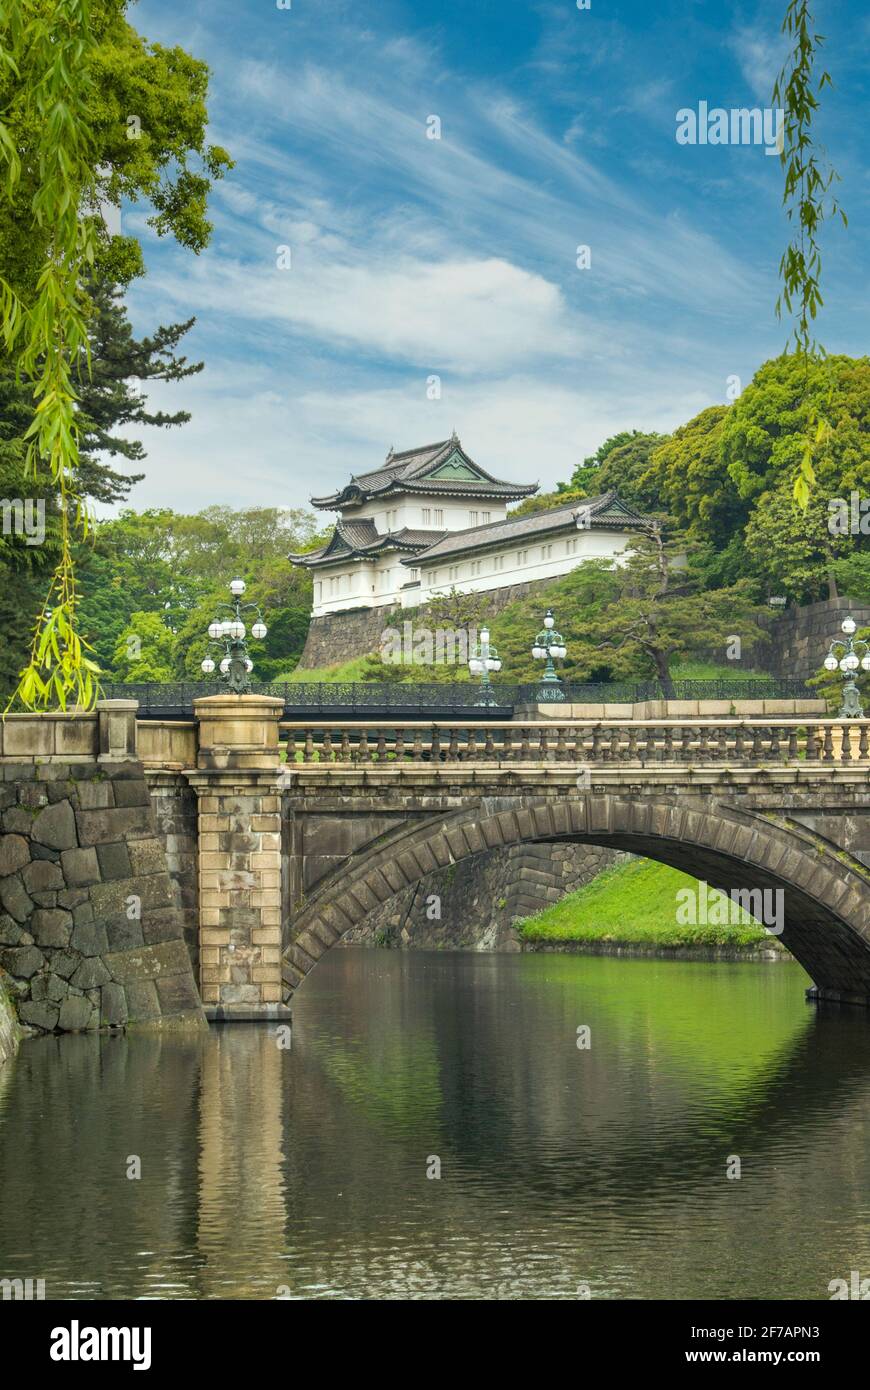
759,53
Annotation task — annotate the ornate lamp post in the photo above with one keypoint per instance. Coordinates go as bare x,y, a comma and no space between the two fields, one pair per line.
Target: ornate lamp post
843,656
484,660
228,635
549,644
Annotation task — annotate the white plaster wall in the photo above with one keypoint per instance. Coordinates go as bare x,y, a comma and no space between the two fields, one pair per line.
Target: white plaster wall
401,512
443,575
381,582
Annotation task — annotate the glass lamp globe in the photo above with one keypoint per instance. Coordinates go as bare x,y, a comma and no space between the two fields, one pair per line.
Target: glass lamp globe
225,665
538,653
493,664
850,662
549,621
259,630
475,665
558,652
849,625
249,665
237,587
214,631
208,666
237,630
865,662
831,663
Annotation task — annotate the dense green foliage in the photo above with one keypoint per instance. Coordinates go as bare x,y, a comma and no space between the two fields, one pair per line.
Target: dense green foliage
808,201
91,114
154,579
108,403
725,478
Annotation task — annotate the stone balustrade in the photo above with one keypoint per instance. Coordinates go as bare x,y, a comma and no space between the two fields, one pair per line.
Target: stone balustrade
633,743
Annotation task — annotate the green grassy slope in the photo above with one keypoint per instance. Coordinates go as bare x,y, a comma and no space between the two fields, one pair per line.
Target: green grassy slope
636,903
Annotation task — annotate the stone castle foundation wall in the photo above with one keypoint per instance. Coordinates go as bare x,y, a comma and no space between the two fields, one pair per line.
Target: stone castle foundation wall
338,637
798,638
794,646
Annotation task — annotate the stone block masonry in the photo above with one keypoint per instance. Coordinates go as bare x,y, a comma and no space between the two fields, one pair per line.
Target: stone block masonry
240,869
334,638
90,934
479,900
797,639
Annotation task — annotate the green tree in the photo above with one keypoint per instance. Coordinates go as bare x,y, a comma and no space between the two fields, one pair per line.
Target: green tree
108,402
145,649
618,466
689,479
793,547
661,613
70,71
178,567
623,469
546,501
808,200
576,599
853,575
110,398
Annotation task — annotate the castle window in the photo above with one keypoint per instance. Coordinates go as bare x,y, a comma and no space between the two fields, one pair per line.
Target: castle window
427,516
546,552
522,557
439,517
571,547
485,517
472,518
497,562
453,572
475,567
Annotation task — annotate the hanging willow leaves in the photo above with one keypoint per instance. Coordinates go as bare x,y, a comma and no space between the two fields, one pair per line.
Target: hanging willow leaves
47,47
809,202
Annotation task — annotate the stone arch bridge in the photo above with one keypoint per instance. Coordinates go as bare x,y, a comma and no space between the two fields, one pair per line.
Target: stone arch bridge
300,832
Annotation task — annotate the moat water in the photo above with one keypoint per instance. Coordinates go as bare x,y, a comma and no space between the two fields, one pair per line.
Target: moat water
303,1173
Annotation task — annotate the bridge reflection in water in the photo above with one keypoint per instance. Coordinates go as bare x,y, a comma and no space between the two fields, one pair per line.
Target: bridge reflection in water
305,1170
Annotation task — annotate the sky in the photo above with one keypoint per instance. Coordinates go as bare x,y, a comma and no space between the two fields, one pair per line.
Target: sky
414,258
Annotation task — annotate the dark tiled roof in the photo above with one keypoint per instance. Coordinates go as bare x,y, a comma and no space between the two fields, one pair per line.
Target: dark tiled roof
358,533
404,472
409,536
607,510
358,538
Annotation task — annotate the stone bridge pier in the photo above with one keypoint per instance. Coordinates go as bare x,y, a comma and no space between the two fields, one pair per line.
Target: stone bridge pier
239,856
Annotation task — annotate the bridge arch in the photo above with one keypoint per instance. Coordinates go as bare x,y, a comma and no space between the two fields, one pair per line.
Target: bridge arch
826,902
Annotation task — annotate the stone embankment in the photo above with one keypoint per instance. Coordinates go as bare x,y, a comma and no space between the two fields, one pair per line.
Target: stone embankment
90,935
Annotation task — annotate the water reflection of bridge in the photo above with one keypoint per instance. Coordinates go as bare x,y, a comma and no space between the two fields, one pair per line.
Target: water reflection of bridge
264,1169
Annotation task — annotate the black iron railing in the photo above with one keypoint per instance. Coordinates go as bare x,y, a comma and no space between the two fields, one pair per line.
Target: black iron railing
174,700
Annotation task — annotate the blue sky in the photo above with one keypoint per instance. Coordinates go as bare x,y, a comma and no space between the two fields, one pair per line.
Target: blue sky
414,257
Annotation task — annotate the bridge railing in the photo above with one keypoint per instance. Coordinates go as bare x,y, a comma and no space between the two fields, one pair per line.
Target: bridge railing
376,699
739,742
